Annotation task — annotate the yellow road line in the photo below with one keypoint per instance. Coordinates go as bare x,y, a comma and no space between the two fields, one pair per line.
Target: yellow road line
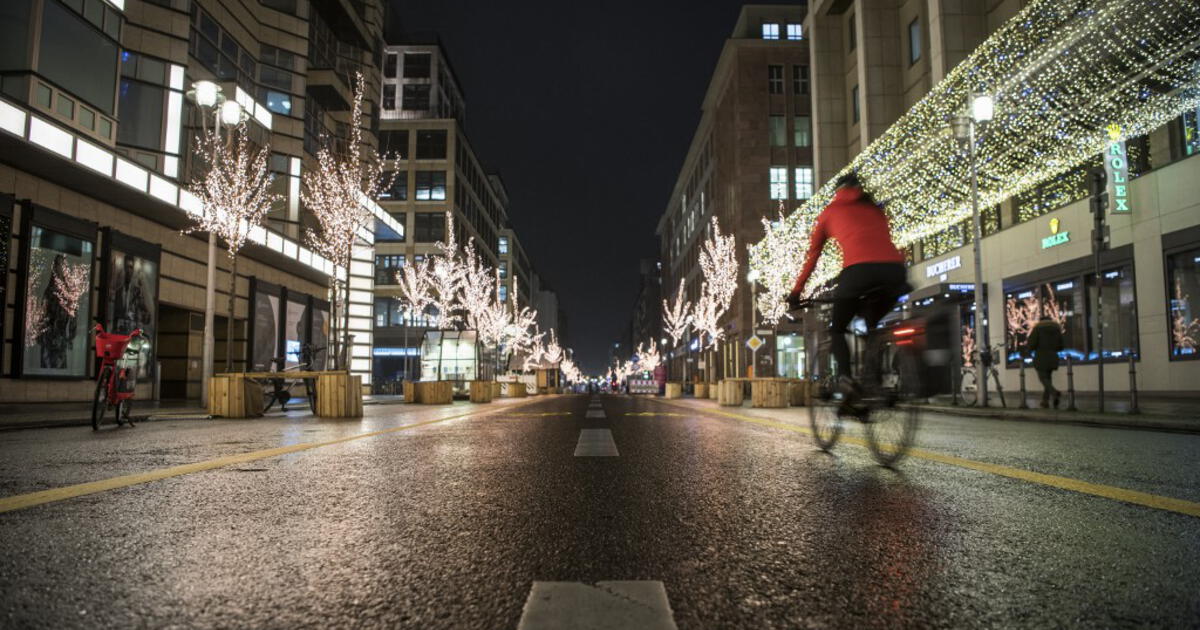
1146,499
22,501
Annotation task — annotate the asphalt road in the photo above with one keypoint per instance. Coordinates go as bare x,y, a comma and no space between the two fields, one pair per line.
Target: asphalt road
449,524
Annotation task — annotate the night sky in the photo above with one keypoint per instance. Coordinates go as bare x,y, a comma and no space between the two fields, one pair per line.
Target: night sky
586,109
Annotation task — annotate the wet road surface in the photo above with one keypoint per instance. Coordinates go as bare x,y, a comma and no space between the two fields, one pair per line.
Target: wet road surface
449,523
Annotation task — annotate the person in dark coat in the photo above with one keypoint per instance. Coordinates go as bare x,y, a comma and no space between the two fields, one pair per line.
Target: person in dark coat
1045,342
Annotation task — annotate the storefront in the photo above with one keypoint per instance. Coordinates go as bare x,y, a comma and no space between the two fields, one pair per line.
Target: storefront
284,321
454,355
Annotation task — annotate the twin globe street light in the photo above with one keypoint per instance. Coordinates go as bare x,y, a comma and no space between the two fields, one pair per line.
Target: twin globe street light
982,109
208,97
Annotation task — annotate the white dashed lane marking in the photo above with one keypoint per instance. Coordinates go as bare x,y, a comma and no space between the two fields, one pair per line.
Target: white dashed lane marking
596,443
595,413
606,606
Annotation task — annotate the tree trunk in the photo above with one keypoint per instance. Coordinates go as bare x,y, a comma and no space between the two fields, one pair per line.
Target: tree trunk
232,302
346,322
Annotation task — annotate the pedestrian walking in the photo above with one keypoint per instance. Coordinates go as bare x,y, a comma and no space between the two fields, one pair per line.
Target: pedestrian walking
1045,342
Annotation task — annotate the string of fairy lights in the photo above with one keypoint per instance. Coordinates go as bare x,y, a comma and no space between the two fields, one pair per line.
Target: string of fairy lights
1061,73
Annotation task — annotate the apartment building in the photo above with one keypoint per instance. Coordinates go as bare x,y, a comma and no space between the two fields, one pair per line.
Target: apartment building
96,136
750,157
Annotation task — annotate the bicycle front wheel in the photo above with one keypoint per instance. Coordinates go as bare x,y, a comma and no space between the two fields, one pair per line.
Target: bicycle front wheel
894,418
100,399
823,415
968,387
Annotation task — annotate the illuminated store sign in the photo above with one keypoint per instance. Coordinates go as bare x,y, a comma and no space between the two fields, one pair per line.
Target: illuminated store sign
1116,167
941,267
1056,237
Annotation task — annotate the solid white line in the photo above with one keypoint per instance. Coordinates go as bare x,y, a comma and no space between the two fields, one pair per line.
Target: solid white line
596,443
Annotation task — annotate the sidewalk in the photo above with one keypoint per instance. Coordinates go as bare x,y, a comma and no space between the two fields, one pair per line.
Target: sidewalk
1171,414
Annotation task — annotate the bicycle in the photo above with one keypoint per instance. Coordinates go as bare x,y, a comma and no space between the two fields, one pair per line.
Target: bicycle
115,383
968,381
892,380
281,388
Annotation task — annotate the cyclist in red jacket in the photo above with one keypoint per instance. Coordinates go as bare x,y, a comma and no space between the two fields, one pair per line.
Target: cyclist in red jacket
873,273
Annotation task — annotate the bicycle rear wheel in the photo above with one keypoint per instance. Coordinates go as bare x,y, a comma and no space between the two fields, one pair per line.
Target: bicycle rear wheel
100,399
823,415
894,417
124,409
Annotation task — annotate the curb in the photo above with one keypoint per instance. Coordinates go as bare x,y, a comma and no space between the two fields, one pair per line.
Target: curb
1090,419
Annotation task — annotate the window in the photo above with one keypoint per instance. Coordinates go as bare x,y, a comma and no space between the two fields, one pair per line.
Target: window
914,40
779,183
394,143
15,35
1061,301
800,79
278,102
386,267
285,6
431,185
141,115
504,293
804,183
389,66
389,96
277,57
431,144
415,97
80,59
398,191
802,131
775,79
384,233
57,312
794,32
504,270
852,33
417,65
855,113
1118,315
770,31
1183,303
1190,132
503,246
274,77
777,131
429,227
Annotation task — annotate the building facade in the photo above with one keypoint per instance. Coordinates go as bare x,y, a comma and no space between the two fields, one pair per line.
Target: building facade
874,60
750,158
95,155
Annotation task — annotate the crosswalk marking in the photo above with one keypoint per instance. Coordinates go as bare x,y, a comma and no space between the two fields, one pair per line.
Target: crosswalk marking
605,606
596,443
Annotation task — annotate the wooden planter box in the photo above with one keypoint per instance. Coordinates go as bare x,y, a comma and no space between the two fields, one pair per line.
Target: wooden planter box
481,391
730,393
410,392
701,390
800,393
233,396
497,390
339,395
712,390
515,390
769,393
674,390
434,392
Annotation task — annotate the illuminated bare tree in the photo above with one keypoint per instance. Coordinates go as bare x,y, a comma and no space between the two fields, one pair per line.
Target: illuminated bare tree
340,193
234,190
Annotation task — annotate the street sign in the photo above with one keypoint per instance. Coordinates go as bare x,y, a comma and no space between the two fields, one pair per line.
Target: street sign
754,343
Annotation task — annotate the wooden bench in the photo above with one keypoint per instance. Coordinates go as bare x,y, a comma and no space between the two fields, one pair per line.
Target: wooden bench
240,394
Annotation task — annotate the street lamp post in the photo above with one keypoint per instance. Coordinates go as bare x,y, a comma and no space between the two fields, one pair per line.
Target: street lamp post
752,278
207,96
982,108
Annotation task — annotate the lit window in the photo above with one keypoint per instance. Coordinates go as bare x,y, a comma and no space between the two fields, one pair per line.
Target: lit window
775,79
804,183
503,293
777,130
794,32
431,185
779,182
504,270
770,31
503,247
802,131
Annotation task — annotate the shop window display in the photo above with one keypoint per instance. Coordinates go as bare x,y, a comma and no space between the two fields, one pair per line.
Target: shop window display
131,293
1183,303
1119,315
57,304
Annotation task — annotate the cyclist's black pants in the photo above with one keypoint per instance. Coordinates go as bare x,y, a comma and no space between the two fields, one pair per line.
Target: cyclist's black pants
881,284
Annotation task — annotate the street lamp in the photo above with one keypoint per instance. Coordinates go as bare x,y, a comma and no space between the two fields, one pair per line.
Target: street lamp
752,278
982,108
208,97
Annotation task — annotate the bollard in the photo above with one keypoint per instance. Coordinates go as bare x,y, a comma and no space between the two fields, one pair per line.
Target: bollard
955,378
1024,404
1133,393
1070,386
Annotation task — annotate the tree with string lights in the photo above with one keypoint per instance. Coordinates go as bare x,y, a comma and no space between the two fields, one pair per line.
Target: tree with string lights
340,193
234,191
718,264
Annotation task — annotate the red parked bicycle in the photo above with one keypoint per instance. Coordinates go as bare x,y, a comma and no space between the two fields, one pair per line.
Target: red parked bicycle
117,377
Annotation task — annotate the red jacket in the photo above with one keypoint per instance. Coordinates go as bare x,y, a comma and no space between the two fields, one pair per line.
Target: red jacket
860,228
